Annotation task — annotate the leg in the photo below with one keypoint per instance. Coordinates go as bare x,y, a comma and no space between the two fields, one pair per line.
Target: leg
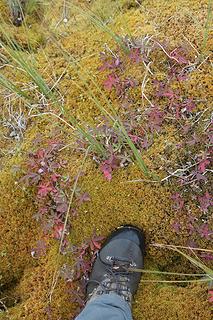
106,307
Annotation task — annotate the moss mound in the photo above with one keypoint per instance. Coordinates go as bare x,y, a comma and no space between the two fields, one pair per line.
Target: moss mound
61,42
18,231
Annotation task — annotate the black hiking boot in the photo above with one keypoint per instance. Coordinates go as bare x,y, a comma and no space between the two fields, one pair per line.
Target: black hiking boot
122,250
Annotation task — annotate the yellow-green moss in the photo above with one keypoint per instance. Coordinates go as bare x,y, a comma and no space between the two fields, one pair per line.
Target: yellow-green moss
171,303
27,35
18,230
35,288
112,203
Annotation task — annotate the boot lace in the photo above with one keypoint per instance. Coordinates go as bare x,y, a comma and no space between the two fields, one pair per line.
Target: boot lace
116,279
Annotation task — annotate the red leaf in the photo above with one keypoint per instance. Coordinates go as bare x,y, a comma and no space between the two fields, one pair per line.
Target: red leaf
195,139
202,165
106,170
134,138
155,119
39,250
40,154
210,296
176,226
54,177
186,128
162,90
44,189
109,165
179,202
204,231
177,55
205,201
169,94
97,244
210,136
111,81
98,238
31,178
43,210
189,105
207,256
145,143
62,207
135,55
84,197
200,177
58,231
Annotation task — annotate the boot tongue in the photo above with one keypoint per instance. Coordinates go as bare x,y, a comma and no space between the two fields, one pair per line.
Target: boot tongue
128,253
120,263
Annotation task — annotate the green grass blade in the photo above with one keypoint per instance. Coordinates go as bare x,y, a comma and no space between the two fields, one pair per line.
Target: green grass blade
6,83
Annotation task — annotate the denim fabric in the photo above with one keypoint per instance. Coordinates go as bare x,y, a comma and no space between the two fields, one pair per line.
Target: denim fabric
106,307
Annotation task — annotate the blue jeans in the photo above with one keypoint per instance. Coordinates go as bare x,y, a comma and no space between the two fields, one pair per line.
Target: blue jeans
106,307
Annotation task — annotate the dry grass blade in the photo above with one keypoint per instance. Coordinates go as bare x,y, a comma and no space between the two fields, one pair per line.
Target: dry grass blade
196,262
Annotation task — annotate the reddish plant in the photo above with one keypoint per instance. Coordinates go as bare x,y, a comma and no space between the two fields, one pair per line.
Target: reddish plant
155,119
77,276
179,55
85,255
178,109
205,201
135,55
210,296
176,226
112,81
109,165
44,174
178,201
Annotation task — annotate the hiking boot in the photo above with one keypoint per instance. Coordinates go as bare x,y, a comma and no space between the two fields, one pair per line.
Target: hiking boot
122,250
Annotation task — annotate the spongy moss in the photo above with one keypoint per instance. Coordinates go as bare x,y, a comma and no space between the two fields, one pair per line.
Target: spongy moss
112,204
18,230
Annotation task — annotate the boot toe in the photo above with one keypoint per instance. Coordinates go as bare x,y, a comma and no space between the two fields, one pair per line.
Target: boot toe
130,233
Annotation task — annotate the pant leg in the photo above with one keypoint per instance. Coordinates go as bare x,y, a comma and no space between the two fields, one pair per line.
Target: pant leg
106,307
